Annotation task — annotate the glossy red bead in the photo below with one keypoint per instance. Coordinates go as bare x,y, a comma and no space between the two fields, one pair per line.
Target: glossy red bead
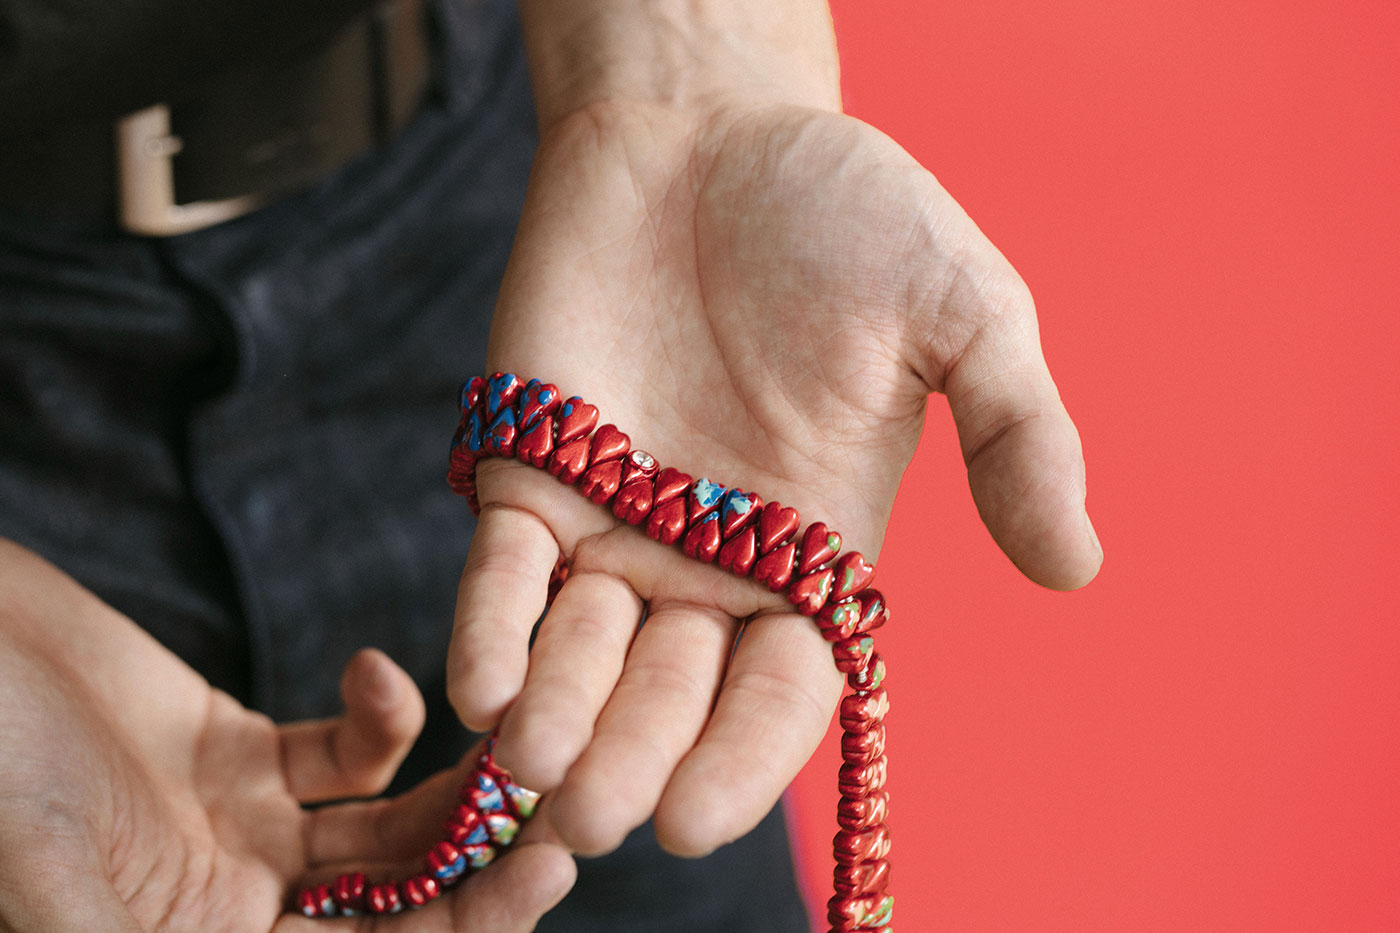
568,461
609,444
637,464
774,569
465,826
536,444
671,484
538,402
737,509
860,813
633,502
502,390
852,654
383,899
316,902
865,877
851,847
776,526
737,555
861,711
870,676
667,521
810,593
868,912
704,498
861,748
349,893
600,481
874,611
853,574
839,620
473,392
702,541
819,545
859,780
419,890
576,418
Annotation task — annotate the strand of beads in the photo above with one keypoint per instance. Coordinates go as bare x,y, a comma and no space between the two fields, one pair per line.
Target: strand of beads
532,422
490,813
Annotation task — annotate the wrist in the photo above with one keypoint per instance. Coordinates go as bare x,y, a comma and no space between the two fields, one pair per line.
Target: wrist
689,55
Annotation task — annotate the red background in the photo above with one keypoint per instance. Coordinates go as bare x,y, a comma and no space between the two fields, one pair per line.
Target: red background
1203,198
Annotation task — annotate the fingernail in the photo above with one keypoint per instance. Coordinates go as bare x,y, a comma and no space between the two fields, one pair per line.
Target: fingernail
1093,536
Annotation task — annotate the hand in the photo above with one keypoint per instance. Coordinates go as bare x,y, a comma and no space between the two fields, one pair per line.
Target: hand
764,295
133,796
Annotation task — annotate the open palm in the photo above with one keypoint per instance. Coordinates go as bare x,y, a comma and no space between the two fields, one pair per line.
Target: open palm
133,796
766,298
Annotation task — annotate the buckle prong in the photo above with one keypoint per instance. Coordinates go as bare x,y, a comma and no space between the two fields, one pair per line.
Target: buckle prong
146,180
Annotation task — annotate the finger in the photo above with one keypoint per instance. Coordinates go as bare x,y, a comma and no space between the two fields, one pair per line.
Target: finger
397,829
502,594
509,896
654,717
516,891
1024,461
574,665
357,754
773,709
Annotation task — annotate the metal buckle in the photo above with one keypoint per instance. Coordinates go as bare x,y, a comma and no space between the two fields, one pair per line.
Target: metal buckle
146,181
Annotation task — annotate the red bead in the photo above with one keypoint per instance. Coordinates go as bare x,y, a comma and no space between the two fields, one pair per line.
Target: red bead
601,481
776,525
445,861
538,403
465,827
568,461
868,912
671,484
860,780
636,464
839,620
473,391
502,389
576,419
536,444
853,653
704,498
775,568
702,541
384,899
316,902
349,893
819,545
667,521
609,444
810,593
867,877
419,890
870,676
874,612
736,510
500,436
853,574
861,748
633,502
860,813
860,712
738,554
851,847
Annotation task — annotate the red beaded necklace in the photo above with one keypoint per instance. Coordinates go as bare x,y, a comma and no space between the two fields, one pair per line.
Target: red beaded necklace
532,422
